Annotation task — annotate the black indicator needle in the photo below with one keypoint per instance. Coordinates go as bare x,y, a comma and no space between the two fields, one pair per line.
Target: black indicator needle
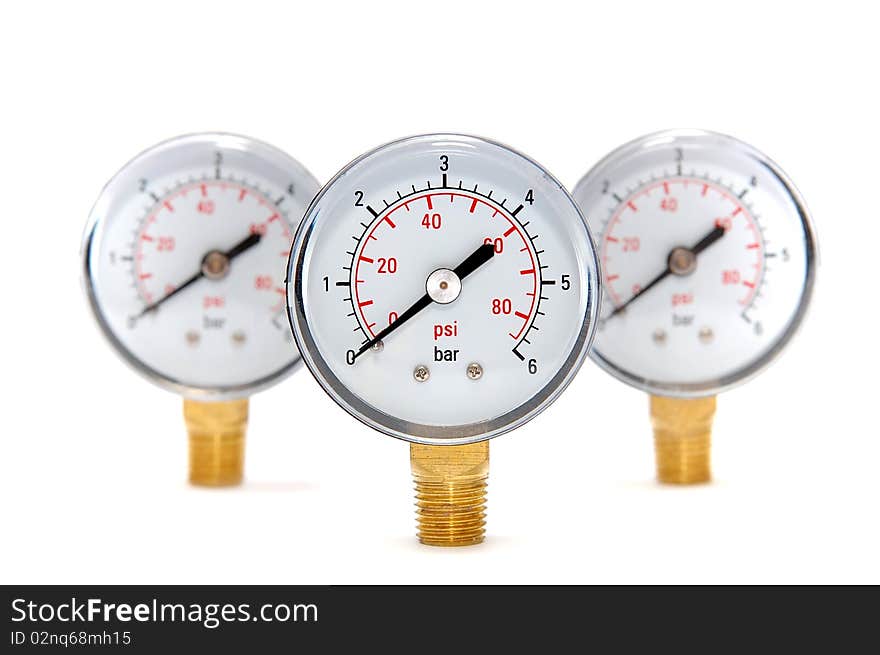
232,253
245,244
471,263
713,236
189,282
708,240
644,289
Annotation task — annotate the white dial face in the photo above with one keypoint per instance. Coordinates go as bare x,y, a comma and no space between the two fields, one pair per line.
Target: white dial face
445,288
708,260
185,257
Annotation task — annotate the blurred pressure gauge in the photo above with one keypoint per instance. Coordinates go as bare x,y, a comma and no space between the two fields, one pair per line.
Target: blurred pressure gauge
183,258
444,291
708,257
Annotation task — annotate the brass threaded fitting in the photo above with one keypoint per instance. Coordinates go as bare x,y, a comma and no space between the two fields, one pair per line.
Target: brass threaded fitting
683,438
216,441
451,492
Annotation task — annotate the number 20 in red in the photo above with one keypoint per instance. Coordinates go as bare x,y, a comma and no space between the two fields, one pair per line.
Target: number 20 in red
388,265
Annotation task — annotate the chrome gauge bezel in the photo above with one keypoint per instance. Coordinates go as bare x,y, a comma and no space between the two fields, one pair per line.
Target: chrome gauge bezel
421,433
91,240
689,137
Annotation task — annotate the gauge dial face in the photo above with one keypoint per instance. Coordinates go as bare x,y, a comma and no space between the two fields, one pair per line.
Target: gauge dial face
445,288
708,259
184,257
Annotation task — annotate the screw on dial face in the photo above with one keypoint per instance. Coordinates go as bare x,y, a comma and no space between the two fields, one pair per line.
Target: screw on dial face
444,288
708,258
184,263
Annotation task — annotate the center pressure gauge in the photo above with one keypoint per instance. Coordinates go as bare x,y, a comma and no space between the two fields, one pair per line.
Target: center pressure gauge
184,258
709,259
443,290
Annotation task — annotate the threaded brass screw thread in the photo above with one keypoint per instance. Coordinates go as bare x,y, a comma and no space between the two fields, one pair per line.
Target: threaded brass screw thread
216,441
451,492
683,438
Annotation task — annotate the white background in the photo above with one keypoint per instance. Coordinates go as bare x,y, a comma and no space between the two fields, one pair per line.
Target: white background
93,457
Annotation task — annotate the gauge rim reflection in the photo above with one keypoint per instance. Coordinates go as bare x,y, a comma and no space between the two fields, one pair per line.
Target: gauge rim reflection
423,433
93,233
713,140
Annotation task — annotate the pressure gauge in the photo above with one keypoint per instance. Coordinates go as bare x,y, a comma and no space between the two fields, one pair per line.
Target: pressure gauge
184,257
708,256
444,290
